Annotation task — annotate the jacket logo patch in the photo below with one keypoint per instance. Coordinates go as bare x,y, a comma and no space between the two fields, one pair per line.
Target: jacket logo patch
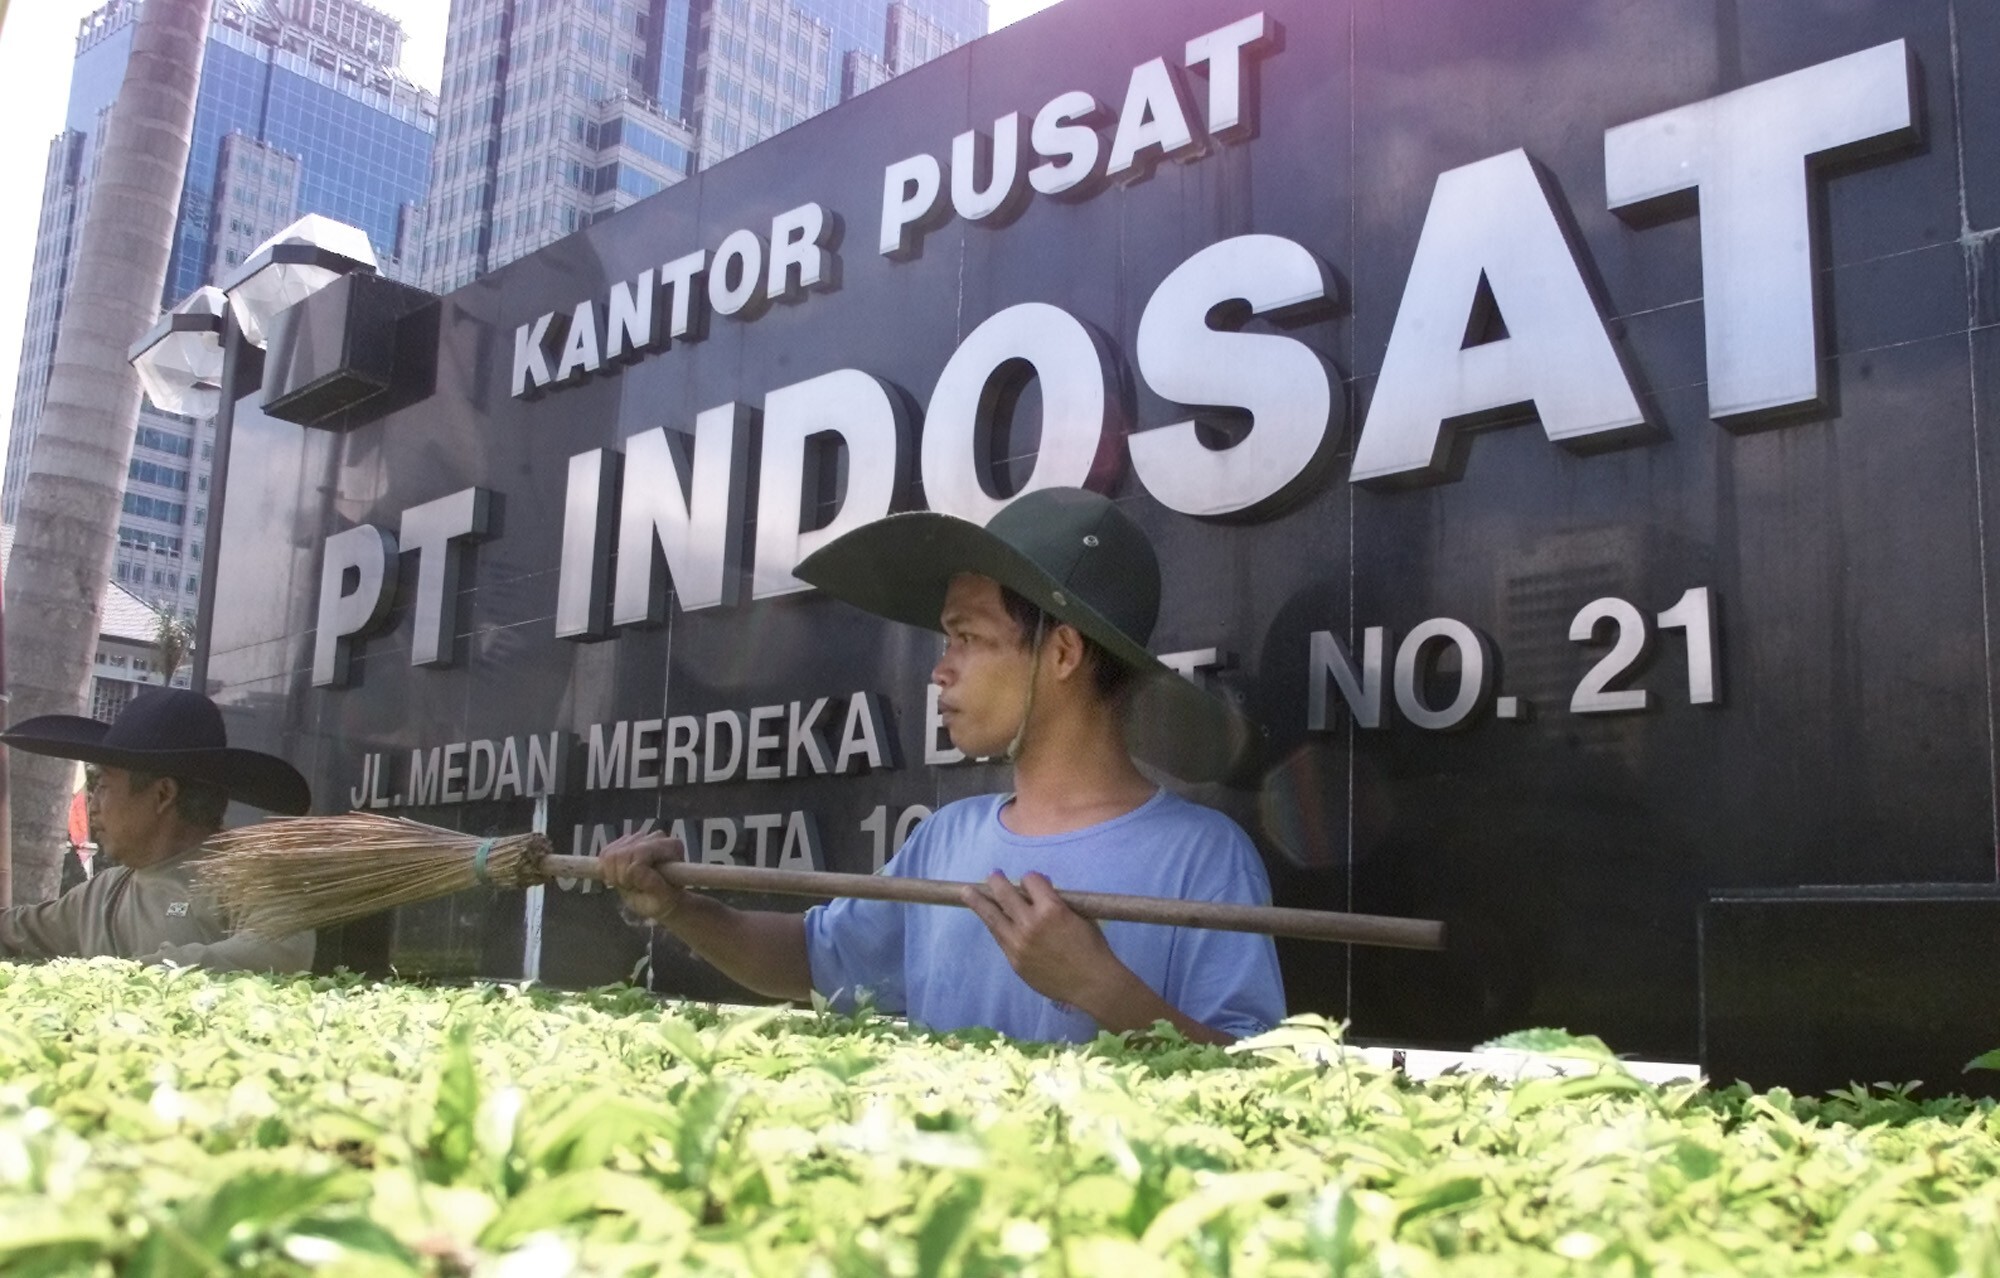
177,909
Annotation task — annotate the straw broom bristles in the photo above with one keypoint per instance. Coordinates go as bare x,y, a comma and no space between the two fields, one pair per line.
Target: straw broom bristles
293,874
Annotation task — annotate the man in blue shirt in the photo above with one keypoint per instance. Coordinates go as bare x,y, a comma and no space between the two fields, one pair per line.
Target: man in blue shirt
1045,613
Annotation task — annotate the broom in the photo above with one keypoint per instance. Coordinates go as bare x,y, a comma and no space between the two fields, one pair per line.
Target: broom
291,874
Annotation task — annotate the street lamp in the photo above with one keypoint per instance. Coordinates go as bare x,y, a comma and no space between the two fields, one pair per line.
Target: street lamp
291,266
194,360
180,361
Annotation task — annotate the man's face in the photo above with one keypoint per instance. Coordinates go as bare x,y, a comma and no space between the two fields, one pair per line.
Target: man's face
982,677
126,819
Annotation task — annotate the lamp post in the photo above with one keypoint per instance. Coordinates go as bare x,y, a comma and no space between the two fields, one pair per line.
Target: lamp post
197,357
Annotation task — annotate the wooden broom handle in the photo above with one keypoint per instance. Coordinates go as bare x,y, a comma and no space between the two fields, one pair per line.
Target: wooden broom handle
1269,920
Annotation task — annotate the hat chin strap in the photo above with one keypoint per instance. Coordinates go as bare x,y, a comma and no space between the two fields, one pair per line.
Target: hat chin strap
1028,703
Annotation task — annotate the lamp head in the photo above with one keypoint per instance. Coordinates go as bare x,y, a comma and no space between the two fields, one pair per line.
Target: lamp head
180,361
290,267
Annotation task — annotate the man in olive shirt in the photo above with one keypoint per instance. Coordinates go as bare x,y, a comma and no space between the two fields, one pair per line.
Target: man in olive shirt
166,773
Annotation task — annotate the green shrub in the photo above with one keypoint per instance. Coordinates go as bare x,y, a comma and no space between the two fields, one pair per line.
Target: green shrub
159,1122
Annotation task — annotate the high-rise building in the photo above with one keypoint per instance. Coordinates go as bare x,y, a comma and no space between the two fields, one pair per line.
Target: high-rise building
557,112
547,116
376,38
301,109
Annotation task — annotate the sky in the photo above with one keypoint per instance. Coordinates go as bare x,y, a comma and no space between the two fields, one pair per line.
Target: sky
37,45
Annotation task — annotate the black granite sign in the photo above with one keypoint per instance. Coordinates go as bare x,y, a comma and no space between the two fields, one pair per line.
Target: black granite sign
1560,425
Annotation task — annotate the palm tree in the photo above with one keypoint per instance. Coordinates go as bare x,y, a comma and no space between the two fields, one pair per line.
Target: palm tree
67,527
173,639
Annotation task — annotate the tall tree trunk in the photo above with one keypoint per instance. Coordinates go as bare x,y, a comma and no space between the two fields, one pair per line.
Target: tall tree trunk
68,523
6,813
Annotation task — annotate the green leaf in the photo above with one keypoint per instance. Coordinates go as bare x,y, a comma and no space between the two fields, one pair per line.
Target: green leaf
454,1133
1540,1093
249,1205
1872,1199
947,1227
1549,1042
249,1208
1220,1194
1294,1034
684,1042
1440,1192
37,1235
1695,1161
358,1235
588,1130
580,1194
1330,1226
167,1252
36,1222
747,1027
705,1119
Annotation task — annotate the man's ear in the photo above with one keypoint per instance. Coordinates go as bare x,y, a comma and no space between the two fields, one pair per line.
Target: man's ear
166,794
1065,643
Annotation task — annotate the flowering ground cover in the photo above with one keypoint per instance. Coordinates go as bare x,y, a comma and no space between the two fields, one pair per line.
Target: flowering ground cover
159,1122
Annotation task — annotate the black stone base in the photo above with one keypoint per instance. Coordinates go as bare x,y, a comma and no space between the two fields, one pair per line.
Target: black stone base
1815,988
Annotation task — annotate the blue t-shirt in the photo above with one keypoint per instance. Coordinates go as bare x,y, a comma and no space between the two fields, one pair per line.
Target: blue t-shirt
939,966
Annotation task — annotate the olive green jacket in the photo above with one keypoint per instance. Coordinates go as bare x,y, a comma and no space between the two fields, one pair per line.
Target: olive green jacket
155,915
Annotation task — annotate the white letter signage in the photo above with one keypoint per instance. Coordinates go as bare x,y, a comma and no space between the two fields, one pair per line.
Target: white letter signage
1749,155
870,422
347,615
1284,385
1493,220
690,511
967,407
438,533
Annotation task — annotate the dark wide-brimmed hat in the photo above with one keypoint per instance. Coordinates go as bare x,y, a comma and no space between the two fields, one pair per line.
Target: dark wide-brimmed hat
1079,558
170,732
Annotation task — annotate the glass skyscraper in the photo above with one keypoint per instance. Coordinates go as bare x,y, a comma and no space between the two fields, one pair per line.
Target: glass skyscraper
361,158
301,109
859,31
558,112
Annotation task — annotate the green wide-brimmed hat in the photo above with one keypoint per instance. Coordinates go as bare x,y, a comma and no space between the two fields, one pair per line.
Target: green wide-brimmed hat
1079,558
